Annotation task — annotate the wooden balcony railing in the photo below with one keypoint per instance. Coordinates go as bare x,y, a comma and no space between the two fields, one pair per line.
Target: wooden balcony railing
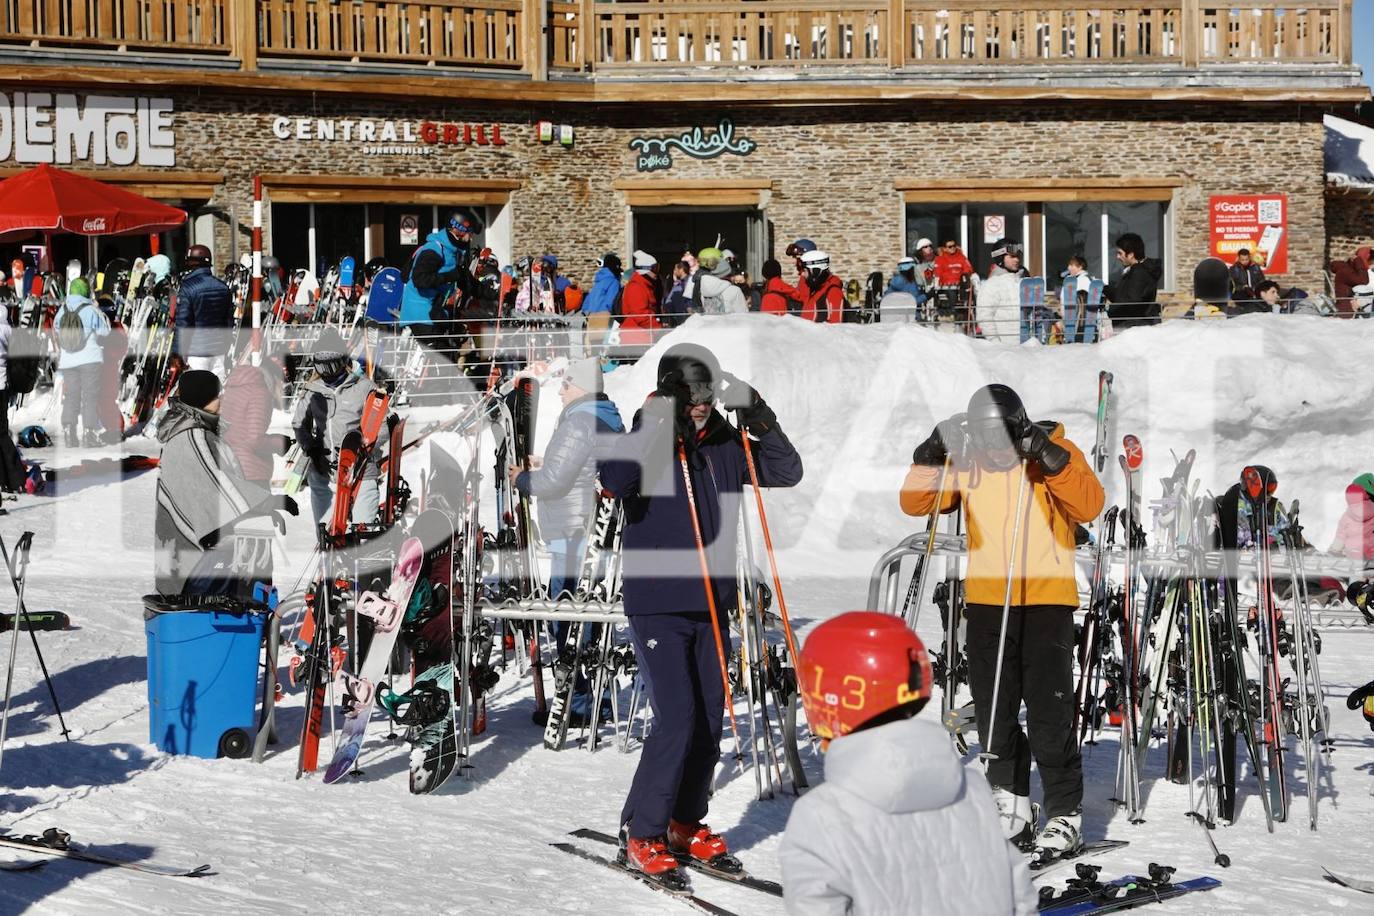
638,36
183,26
484,33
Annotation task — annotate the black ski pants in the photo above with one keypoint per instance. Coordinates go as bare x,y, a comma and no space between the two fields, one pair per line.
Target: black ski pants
681,673
1037,668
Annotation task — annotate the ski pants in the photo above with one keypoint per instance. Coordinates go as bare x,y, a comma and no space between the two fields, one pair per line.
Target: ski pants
81,397
1038,668
322,495
681,674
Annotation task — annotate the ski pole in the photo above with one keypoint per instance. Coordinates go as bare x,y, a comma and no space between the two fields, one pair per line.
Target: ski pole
710,599
932,527
21,559
767,543
987,755
33,636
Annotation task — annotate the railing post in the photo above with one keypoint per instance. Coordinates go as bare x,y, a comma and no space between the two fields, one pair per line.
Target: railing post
536,48
586,35
1345,25
1190,27
243,32
896,33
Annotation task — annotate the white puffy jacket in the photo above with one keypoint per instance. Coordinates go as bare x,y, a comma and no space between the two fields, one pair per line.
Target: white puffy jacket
999,305
900,826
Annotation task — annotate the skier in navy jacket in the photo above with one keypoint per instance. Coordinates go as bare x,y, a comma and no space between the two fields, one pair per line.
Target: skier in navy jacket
665,594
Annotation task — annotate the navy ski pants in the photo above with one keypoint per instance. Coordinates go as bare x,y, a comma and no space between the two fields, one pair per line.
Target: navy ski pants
681,673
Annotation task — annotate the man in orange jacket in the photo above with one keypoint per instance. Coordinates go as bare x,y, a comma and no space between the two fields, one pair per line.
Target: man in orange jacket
987,449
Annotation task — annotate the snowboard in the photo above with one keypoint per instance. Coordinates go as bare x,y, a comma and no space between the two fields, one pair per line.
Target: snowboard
433,739
384,296
1033,312
1081,310
386,614
36,620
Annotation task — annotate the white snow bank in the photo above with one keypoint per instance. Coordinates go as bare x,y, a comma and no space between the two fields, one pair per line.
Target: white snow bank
1291,392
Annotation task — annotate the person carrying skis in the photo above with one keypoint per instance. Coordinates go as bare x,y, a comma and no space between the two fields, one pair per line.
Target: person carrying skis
899,825
202,498
563,483
678,435
1032,545
329,407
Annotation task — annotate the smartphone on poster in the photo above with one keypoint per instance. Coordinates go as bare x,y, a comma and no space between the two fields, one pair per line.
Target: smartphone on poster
1268,244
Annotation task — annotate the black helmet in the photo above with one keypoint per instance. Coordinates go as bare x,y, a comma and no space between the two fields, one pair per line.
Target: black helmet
34,437
374,267
1212,281
996,420
698,368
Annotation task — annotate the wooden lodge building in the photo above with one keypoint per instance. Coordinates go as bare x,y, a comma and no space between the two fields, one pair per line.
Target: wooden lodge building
578,127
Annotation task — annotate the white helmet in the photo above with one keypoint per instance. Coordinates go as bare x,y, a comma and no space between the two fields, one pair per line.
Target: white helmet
816,260
924,243
906,263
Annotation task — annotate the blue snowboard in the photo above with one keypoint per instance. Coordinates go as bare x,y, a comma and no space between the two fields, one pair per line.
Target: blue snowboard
384,296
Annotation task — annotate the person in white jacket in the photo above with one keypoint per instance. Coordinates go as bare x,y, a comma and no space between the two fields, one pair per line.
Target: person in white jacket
900,825
999,296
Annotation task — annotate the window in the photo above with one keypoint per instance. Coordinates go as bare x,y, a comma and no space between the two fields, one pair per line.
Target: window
1051,230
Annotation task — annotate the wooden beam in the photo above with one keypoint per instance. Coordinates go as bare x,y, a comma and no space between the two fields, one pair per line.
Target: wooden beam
978,184
1006,194
687,198
648,90
387,182
311,195
693,184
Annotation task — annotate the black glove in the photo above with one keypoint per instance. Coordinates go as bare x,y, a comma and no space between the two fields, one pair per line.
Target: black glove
947,440
673,386
319,460
754,413
287,505
1035,445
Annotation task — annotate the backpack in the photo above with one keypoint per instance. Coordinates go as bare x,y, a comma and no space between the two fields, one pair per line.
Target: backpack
71,330
618,305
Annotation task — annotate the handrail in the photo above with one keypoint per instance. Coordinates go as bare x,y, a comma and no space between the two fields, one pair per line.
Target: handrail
196,26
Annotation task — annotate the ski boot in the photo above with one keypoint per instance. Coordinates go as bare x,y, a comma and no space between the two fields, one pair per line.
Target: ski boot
698,843
1019,818
1062,838
650,856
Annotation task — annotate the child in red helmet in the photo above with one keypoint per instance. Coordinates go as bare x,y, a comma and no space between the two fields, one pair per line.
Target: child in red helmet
900,825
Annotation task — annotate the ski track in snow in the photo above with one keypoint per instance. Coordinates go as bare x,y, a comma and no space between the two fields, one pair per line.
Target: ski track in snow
855,400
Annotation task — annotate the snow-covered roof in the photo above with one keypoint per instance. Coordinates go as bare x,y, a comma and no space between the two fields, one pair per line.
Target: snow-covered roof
1349,152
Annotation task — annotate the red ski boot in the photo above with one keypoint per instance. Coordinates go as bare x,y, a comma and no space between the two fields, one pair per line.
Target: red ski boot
697,843
650,855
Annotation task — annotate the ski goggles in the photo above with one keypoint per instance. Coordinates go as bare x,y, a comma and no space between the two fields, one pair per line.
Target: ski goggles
699,393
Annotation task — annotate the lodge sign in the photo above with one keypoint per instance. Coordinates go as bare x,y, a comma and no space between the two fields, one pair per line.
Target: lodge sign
655,153
107,130
388,137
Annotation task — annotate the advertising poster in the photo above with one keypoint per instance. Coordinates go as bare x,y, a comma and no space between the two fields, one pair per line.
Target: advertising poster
1258,222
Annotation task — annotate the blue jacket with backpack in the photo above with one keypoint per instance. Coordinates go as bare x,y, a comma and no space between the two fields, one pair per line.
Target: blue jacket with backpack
601,298
417,303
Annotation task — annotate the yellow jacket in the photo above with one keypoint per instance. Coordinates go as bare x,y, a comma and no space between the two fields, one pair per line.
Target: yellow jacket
1044,569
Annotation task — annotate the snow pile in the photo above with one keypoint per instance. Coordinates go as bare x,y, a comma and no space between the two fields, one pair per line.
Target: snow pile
1290,392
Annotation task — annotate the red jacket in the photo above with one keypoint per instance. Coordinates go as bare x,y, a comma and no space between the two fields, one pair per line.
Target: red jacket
1347,274
775,296
950,267
246,408
825,303
639,311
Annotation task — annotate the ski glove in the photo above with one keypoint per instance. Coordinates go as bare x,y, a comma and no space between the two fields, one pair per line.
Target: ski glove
673,386
754,413
1035,445
287,505
947,440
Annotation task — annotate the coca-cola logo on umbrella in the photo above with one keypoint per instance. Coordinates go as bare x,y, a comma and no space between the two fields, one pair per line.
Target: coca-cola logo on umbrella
93,225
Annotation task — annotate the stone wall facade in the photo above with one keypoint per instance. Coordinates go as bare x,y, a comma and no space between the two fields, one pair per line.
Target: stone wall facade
832,168
1349,224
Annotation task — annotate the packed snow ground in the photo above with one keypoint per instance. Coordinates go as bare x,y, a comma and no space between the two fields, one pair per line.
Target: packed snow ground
1294,393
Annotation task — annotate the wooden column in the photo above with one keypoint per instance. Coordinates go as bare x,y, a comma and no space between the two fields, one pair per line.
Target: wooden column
1190,31
587,43
896,33
1344,29
535,13
243,32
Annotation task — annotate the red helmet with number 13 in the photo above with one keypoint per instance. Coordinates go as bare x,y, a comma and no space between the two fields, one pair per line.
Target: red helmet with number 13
858,667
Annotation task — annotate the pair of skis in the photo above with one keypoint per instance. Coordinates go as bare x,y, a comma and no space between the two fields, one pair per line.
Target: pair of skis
55,844
688,897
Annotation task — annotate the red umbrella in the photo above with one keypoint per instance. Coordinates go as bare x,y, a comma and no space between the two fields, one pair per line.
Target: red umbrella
52,200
